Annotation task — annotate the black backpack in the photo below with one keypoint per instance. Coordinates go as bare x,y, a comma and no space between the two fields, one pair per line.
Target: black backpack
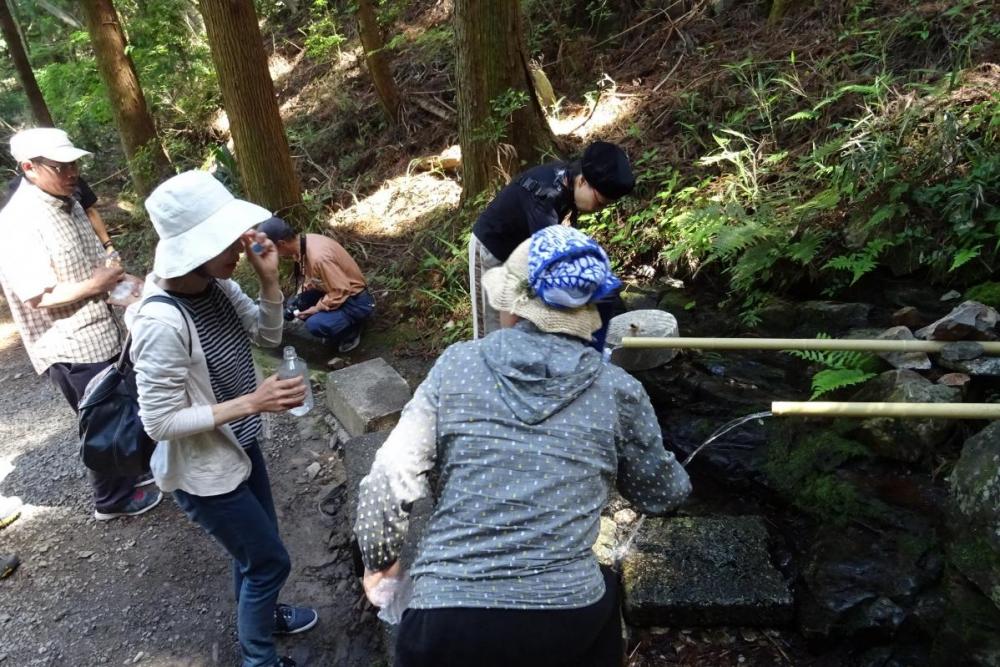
112,439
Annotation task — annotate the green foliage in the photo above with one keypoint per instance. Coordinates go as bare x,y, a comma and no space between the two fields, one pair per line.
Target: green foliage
843,368
987,293
805,468
825,171
323,37
503,106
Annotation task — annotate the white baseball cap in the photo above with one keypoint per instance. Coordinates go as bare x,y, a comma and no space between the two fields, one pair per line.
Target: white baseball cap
48,142
196,218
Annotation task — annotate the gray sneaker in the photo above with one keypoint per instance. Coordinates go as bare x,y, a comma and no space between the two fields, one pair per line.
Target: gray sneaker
348,345
140,503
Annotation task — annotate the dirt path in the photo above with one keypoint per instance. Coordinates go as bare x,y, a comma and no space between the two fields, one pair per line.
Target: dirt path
155,590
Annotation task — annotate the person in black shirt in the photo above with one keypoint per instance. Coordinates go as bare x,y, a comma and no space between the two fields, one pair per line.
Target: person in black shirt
541,196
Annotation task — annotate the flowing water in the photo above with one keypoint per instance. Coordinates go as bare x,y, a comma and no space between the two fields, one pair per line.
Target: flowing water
622,550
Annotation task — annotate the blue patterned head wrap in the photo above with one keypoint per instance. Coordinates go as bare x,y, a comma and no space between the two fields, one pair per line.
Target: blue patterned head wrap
568,269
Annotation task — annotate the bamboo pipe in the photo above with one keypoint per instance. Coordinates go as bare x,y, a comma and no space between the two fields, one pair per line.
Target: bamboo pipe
865,345
860,409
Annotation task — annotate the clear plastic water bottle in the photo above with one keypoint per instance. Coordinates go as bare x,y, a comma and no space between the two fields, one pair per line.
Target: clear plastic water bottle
295,366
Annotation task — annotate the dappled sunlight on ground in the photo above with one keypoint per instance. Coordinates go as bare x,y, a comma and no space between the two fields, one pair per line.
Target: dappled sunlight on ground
612,112
399,201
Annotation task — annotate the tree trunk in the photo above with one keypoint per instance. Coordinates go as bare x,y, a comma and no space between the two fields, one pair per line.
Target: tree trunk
262,155
147,162
497,103
378,60
26,77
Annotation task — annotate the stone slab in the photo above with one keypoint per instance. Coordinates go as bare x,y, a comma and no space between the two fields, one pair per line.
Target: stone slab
701,571
367,397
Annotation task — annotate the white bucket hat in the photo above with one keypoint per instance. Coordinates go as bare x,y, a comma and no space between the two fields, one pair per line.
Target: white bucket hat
508,287
196,218
47,142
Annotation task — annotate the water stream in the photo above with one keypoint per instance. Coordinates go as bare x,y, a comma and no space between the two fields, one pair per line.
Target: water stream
622,550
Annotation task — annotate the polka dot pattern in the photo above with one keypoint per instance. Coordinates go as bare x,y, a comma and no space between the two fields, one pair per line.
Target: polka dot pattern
526,433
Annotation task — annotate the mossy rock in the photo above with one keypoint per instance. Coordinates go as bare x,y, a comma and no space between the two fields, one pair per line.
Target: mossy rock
987,293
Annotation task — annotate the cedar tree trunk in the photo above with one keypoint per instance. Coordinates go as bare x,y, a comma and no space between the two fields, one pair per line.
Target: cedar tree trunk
147,162
262,155
497,103
377,59
12,37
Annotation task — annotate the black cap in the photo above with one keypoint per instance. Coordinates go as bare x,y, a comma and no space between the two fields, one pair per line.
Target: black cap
606,168
276,229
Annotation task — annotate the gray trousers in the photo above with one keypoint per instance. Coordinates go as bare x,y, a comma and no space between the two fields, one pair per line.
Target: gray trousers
484,318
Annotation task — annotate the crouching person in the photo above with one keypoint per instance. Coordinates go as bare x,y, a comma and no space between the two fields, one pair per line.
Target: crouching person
526,431
332,297
199,396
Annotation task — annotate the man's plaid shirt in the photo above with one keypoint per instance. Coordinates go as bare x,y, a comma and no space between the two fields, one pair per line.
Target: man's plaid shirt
47,240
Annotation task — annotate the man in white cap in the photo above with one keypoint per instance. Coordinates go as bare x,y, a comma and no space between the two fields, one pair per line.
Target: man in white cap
53,272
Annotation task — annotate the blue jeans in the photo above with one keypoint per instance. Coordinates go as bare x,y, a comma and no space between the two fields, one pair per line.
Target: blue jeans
341,324
244,522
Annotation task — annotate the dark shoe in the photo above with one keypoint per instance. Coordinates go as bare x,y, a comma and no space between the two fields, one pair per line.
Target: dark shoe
144,479
8,563
140,503
285,662
289,620
348,345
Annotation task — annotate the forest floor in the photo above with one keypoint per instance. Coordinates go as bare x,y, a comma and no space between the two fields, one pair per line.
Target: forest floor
155,589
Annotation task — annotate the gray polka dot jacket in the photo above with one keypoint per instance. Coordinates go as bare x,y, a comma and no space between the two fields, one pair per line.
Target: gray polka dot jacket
525,432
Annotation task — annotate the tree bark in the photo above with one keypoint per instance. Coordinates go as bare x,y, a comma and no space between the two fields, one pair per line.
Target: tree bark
262,155
378,60
147,162
497,103
22,67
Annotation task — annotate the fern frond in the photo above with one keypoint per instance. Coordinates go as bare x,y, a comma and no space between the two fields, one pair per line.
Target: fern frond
832,379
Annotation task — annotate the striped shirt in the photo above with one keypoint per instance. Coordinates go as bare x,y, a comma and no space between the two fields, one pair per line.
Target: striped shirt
227,352
47,241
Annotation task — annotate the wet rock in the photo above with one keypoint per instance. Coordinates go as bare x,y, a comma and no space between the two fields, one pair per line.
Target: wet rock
639,299
912,360
641,324
968,320
969,633
959,380
909,317
908,440
983,366
607,540
704,571
863,586
961,351
780,318
975,491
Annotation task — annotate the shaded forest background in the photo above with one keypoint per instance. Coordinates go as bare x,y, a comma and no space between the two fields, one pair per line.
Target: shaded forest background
783,149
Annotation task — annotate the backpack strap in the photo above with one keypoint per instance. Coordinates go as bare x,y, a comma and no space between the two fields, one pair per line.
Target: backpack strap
163,298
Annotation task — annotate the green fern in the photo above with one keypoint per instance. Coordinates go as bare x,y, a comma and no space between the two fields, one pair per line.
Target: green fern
844,368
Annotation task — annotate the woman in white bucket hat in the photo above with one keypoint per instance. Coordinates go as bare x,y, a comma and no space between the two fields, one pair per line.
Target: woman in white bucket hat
199,396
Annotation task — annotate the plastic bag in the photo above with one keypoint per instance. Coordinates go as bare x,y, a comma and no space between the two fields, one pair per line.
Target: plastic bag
391,595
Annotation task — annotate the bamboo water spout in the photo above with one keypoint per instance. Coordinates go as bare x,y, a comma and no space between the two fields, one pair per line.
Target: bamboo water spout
867,410
861,345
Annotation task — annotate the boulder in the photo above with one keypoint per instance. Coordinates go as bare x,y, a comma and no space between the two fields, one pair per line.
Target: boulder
806,319
918,361
975,491
983,366
959,380
909,317
968,320
698,571
856,586
908,440
642,324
